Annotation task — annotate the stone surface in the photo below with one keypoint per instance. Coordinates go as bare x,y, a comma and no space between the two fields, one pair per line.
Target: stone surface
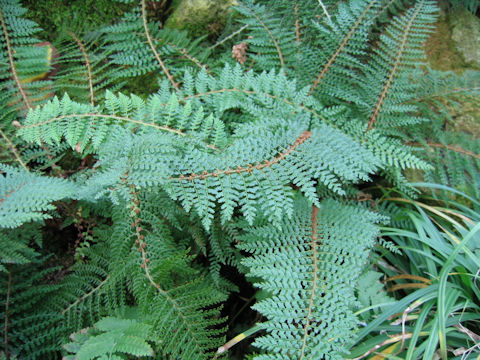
199,17
466,36
467,119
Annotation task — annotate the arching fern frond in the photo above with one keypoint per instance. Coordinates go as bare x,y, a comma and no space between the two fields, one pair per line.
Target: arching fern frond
181,304
26,63
456,161
15,245
455,156
342,40
84,70
141,47
83,125
242,174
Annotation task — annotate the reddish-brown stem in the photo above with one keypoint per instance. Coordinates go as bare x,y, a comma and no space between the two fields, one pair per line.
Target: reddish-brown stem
297,24
311,301
396,64
13,70
252,92
87,65
152,46
142,245
114,117
12,62
11,192
449,147
86,295
267,163
13,149
341,47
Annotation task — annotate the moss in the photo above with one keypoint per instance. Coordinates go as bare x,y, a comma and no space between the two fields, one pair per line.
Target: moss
441,51
443,54
466,119
56,17
199,17
466,36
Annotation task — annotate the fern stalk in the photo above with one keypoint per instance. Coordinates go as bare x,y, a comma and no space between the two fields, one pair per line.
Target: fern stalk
81,46
344,42
152,46
314,244
11,61
393,72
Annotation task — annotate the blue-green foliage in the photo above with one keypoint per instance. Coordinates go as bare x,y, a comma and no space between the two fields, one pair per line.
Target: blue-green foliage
390,69
112,337
246,166
22,65
275,46
310,266
26,196
139,46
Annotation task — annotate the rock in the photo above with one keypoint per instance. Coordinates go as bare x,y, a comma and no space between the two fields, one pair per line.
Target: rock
467,119
199,17
466,36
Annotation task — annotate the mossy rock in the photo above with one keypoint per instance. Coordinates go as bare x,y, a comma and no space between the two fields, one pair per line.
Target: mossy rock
466,36
466,119
199,17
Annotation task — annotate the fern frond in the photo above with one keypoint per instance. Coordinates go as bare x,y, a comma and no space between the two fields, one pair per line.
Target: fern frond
342,40
14,245
29,196
25,61
141,47
454,156
88,292
456,161
84,69
111,337
29,327
182,308
272,41
242,174
82,125
393,62
310,267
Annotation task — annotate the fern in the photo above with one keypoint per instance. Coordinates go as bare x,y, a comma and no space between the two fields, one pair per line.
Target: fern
310,267
455,155
111,337
84,69
27,196
141,47
15,245
29,329
397,54
245,164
